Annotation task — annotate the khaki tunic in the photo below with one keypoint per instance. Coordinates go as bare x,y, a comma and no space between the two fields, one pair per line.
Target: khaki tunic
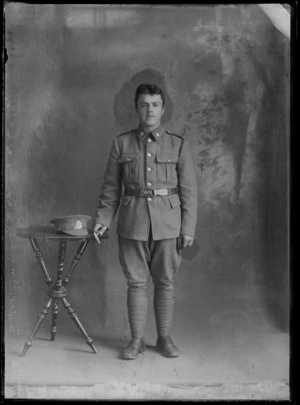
157,160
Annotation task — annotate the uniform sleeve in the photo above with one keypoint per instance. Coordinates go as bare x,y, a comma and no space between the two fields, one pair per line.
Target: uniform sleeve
111,192
187,189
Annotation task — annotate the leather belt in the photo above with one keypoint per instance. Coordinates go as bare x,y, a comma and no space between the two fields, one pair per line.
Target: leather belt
150,192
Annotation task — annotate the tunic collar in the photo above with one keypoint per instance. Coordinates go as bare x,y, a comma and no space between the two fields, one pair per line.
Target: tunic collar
157,133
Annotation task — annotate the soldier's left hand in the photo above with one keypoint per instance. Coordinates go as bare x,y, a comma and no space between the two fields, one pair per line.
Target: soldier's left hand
186,241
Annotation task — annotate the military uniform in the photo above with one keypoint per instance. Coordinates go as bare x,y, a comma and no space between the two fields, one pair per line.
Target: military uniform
150,178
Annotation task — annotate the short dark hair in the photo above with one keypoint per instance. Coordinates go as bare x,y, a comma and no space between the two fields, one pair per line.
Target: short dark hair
151,89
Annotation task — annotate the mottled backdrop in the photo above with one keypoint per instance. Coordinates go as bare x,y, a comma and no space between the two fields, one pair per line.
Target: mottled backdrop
70,80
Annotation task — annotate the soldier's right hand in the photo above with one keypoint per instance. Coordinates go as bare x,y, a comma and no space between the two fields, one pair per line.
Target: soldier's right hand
100,229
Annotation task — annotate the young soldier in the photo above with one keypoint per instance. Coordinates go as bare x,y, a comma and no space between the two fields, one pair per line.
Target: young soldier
157,216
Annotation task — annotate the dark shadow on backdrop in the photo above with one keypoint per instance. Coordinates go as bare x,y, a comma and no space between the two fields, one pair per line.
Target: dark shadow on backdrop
124,108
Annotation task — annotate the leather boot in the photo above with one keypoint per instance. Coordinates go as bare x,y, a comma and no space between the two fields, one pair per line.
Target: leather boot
166,346
136,346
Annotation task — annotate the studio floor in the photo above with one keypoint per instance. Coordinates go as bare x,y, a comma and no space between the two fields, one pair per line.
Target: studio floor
221,363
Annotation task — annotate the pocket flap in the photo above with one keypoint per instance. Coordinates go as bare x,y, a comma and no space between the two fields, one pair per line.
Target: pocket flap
166,158
126,200
174,200
129,157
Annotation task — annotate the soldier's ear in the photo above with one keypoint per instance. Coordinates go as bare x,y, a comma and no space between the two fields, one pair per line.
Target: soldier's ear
163,111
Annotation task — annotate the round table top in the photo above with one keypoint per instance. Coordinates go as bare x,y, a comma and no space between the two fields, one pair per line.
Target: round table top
51,233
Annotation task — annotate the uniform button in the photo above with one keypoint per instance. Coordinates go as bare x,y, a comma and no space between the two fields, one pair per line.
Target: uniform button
149,199
149,140
157,134
148,154
149,184
169,160
148,169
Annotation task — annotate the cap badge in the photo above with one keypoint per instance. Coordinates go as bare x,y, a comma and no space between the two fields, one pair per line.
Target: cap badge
78,225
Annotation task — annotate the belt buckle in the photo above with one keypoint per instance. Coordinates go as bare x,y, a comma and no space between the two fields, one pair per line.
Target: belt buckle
147,192
162,192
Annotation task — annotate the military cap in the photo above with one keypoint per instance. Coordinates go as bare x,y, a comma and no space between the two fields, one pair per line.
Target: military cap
72,224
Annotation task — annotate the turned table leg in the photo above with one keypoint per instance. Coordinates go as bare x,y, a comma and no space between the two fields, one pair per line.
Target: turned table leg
54,317
58,291
38,255
44,312
74,317
75,261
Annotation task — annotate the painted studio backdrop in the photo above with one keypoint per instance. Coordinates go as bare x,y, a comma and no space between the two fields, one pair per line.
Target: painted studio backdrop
70,79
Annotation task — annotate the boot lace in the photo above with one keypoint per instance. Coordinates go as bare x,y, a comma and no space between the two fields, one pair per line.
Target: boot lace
134,343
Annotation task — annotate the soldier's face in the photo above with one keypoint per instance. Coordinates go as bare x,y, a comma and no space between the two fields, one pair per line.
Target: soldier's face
150,110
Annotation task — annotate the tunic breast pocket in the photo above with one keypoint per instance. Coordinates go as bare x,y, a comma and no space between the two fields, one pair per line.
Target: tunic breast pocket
130,164
166,168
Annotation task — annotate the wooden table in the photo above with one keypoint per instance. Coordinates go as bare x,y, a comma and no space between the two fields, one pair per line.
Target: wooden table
57,289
